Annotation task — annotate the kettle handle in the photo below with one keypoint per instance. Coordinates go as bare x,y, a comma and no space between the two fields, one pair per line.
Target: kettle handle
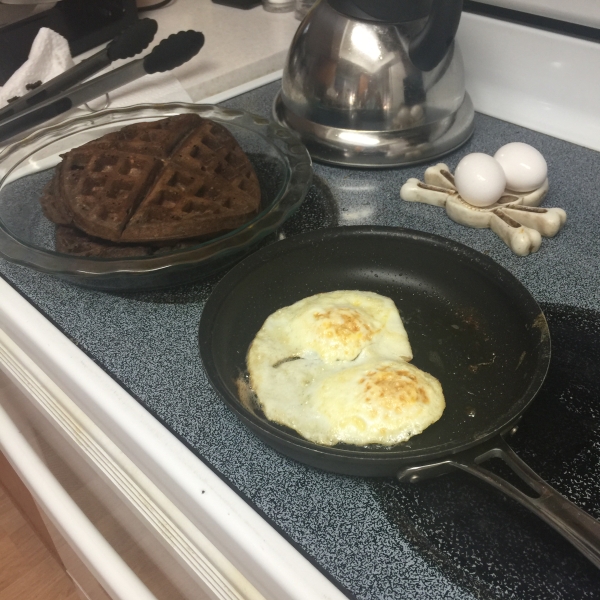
427,50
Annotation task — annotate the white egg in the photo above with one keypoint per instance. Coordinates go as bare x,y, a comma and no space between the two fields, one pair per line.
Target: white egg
480,179
524,166
332,367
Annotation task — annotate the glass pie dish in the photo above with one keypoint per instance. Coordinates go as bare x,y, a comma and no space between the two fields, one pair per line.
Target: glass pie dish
27,237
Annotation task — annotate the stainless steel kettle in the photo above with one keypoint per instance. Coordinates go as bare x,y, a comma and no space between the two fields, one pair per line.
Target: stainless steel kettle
377,83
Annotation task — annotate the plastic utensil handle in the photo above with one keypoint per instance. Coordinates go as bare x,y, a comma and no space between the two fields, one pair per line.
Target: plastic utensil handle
133,40
573,523
173,51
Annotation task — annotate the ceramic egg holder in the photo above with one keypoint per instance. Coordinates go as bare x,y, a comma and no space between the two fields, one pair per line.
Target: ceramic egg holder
516,218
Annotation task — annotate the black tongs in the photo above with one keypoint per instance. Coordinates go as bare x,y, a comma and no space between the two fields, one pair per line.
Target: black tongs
54,98
127,44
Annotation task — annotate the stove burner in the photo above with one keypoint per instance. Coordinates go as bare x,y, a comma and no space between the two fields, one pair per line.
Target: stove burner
485,541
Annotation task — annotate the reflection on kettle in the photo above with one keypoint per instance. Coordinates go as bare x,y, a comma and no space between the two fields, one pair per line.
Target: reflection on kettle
377,83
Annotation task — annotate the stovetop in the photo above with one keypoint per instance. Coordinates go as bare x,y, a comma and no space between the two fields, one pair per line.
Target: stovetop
489,543
450,537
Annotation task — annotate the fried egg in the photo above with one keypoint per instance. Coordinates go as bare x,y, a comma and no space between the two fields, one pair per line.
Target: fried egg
334,326
378,402
334,368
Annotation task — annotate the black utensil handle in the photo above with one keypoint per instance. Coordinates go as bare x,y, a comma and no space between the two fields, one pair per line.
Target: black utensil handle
133,40
573,523
174,51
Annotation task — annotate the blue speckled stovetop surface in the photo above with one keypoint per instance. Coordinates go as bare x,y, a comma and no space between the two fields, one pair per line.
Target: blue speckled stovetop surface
378,539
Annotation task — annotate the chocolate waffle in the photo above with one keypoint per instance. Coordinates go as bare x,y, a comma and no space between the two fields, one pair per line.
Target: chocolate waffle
155,183
70,240
52,204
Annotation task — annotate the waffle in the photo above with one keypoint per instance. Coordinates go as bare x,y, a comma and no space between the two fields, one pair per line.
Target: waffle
155,183
70,240
52,204
154,138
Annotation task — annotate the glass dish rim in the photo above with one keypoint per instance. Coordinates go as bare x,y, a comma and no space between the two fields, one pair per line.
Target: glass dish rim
288,146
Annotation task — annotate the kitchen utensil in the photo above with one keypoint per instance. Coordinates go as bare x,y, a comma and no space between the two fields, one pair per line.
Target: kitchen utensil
470,322
370,83
129,43
281,163
85,25
171,52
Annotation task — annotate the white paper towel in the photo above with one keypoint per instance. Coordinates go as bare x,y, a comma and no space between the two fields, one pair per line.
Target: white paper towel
49,56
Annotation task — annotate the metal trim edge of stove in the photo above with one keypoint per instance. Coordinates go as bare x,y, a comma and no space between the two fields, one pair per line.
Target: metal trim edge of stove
241,553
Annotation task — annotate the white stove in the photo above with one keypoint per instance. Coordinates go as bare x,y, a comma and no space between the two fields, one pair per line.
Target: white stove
134,512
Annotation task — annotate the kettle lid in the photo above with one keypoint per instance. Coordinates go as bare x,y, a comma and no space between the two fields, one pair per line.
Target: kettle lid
383,11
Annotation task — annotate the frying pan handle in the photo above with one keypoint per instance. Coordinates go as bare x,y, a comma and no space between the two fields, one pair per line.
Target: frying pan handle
573,523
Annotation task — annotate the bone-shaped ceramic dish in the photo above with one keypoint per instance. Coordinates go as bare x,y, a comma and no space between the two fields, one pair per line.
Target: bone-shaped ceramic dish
516,218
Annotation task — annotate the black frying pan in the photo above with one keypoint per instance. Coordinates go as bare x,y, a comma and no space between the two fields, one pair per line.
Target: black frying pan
471,324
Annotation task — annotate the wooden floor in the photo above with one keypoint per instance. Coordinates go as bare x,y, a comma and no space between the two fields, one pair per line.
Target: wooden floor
28,571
